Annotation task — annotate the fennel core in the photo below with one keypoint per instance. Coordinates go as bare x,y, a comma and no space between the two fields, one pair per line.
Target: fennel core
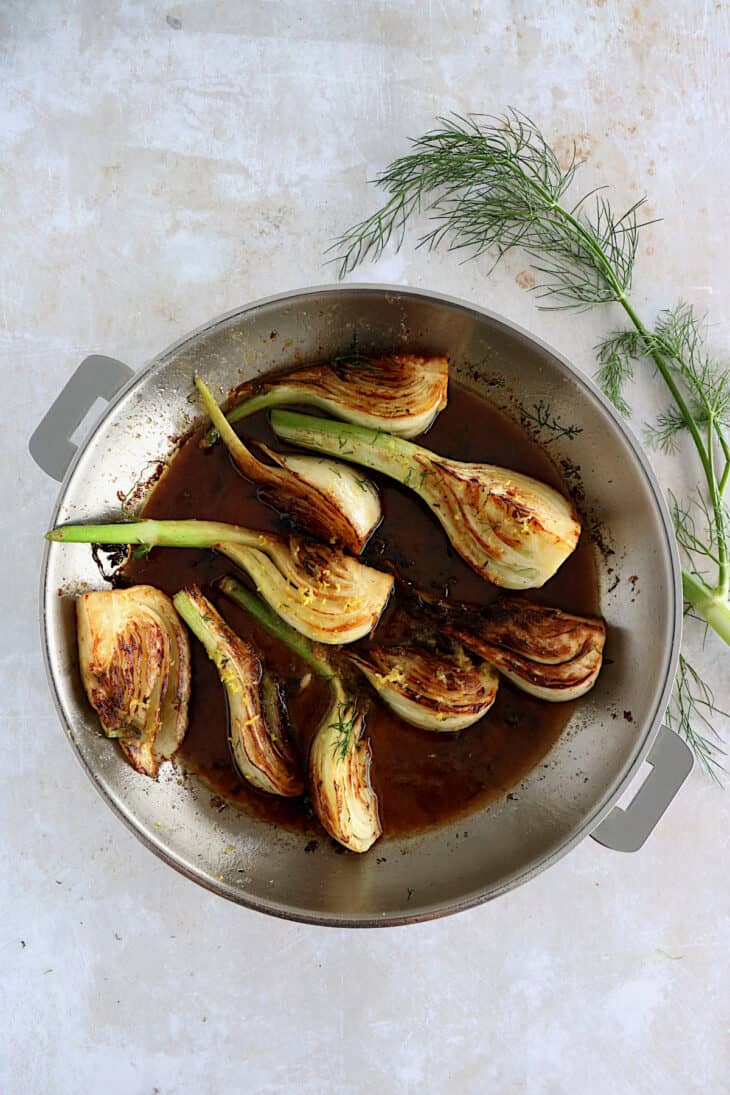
494,183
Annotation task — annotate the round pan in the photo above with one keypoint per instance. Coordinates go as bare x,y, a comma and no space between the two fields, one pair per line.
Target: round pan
440,871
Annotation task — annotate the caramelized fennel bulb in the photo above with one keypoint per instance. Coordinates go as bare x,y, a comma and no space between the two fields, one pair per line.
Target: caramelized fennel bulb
549,653
431,691
401,394
261,747
329,499
327,595
323,593
340,756
511,529
135,668
339,774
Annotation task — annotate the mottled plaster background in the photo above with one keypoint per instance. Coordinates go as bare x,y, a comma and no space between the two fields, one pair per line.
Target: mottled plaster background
164,163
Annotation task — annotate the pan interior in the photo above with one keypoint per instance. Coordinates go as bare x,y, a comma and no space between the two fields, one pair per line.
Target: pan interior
469,860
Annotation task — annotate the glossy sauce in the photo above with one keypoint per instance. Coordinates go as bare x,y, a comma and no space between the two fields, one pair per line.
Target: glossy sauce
421,778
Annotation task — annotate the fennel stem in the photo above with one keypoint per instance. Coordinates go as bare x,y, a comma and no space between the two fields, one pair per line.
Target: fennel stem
298,644
710,604
350,442
245,409
714,610
306,650
151,533
273,398
199,625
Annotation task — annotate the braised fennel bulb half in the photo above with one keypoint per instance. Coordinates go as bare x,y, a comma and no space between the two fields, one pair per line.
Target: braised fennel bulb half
551,654
135,668
257,731
401,394
340,755
432,691
325,594
327,498
511,529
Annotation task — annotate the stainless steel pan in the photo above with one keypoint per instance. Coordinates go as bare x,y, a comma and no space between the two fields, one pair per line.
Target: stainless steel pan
567,798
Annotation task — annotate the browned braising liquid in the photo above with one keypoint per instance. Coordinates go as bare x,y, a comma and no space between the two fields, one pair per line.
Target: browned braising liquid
421,778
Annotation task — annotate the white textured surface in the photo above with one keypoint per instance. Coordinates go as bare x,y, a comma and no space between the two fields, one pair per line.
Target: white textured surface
161,165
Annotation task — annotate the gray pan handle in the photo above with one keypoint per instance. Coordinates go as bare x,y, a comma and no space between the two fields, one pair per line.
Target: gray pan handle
626,829
96,377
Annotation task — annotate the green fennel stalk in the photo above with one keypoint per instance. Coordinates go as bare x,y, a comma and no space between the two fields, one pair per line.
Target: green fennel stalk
344,711
278,628
495,183
150,533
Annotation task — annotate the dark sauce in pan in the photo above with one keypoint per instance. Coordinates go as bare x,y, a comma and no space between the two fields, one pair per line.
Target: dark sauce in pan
421,778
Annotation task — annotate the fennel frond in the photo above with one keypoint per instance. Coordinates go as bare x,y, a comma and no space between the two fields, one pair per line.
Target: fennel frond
494,183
